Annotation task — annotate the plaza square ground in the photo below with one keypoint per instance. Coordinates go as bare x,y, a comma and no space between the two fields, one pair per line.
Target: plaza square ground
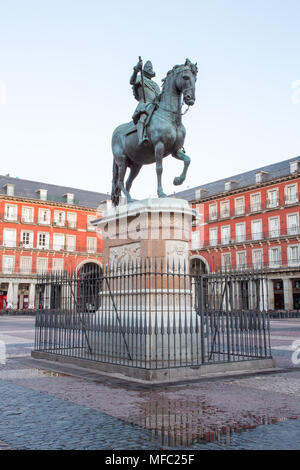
57,406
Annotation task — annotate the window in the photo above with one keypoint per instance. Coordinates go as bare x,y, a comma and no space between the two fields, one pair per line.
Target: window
59,218
25,264
240,232
291,195
89,226
9,237
72,219
239,206
27,214
255,202
257,258
10,189
294,166
41,265
274,227
241,259
213,236
57,264
274,257
256,229
259,177
224,207
293,254
92,245
195,240
225,234
42,194
213,212
43,240
58,241
44,216
8,264
272,198
292,223
226,260
71,242
11,212
26,239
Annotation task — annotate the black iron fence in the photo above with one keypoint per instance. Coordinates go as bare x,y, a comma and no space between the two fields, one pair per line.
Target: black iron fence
153,316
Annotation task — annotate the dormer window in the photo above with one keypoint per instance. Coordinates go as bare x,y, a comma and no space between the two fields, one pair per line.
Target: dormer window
9,189
42,194
230,185
260,176
200,192
294,166
69,197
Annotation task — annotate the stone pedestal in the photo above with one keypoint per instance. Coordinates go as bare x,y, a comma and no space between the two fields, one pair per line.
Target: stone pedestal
148,298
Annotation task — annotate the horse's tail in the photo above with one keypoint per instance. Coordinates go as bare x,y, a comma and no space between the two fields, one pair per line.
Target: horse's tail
116,190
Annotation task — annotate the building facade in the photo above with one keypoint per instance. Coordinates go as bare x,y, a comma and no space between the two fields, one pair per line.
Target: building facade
43,228
251,221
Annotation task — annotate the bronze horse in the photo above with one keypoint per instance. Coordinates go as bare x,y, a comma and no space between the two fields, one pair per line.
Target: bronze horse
166,134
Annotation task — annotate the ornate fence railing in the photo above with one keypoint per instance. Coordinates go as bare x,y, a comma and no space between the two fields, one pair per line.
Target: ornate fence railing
152,316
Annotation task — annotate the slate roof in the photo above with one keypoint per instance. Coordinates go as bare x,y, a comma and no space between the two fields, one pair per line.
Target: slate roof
242,180
27,189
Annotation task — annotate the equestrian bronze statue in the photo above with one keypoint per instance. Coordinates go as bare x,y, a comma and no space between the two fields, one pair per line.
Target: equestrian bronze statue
156,130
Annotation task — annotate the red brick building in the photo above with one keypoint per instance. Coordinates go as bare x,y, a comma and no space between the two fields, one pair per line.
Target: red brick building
251,220
43,228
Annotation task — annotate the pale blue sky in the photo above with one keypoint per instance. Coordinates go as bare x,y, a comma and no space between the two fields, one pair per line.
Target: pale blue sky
66,66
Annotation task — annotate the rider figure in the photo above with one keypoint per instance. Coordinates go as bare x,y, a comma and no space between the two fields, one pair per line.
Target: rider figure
147,97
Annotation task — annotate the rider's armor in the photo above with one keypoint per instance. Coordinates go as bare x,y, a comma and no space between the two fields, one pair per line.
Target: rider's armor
144,109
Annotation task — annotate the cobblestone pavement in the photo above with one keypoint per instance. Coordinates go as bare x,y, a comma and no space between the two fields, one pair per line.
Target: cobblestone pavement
44,409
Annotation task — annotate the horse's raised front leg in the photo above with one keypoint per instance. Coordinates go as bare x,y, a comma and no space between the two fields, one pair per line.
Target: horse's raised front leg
180,155
159,153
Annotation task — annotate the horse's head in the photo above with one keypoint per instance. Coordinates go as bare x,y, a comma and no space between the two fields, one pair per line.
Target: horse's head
186,76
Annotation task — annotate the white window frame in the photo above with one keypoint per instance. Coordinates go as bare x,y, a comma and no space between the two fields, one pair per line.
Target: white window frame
224,240
213,241
11,268
47,241
26,219
239,210
72,246
58,246
7,242
238,264
14,216
271,203
225,265
57,264
195,240
225,213
94,248
256,235
213,211
41,218
72,223
293,261
59,218
25,264
272,263
255,207
242,237
291,200
274,233
257,264
39,265
27,245
294,229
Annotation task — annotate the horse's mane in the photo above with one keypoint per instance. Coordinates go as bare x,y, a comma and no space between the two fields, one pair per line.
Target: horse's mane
193,68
